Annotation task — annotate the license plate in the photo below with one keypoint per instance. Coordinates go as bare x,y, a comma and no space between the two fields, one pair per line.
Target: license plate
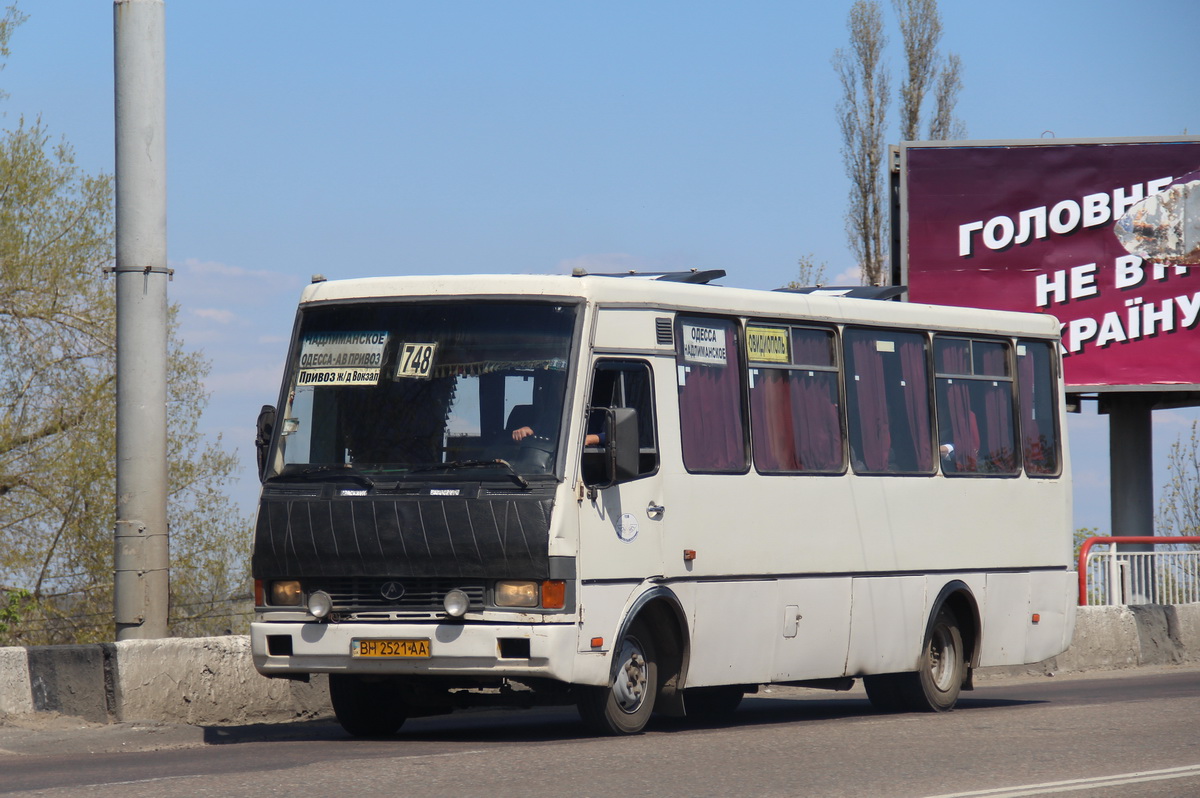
389,648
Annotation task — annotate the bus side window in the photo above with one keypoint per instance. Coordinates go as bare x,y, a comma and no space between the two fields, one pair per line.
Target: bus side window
711,417
621,383
887,398
1038,400
795,406
975,406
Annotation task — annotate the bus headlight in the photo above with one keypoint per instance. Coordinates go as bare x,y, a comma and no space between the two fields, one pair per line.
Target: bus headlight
516,593
456,603
319,604
286,593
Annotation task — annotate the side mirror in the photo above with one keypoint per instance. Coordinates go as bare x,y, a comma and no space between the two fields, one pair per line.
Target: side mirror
262,439
621,429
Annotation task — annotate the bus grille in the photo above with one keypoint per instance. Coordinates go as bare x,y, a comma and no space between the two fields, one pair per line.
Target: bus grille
358,594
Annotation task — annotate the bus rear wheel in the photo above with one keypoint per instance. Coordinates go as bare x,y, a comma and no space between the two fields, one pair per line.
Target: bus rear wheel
935,685
626,705
943,668
366,708
885,691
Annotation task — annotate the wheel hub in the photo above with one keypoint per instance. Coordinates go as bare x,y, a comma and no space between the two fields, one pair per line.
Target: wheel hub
629,687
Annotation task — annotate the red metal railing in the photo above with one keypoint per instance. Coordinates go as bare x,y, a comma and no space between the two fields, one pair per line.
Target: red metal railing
1151,539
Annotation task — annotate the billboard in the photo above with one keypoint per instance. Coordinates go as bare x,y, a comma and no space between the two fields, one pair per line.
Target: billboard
1042,226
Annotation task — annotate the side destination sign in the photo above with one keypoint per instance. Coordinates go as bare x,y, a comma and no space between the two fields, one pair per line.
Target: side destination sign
704,345
349,358
768,344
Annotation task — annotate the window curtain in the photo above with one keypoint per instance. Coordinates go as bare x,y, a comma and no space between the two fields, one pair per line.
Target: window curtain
1001,449
913,370
964,431
771,420
874,435
818,421
815,404
1033,383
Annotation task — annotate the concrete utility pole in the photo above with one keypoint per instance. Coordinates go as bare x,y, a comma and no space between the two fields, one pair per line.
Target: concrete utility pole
141,586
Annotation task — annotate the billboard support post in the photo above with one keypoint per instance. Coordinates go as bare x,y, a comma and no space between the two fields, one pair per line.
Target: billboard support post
1131,476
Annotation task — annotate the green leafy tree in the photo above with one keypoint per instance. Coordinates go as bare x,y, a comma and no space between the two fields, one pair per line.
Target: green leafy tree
12,602
58,411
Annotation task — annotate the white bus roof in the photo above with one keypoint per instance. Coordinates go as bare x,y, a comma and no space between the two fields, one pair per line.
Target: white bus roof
635,291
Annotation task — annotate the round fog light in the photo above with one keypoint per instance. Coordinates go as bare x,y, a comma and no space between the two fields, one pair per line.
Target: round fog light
319,604
456,603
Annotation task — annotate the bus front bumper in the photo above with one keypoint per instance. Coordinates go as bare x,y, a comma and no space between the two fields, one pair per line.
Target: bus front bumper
454,649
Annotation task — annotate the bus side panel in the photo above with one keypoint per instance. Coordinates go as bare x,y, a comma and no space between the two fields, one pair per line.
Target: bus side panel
1011,635
1052,596
733,624
814,631
1005,616
889,624
601,610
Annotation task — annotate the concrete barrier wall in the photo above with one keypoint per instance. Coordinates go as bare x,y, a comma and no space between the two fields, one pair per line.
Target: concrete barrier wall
211,681
207,681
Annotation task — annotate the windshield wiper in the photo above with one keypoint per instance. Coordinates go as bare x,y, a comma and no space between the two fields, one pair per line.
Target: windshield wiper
319,472
456,464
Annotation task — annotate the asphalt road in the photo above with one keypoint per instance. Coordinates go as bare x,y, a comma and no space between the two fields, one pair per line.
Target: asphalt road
1129,734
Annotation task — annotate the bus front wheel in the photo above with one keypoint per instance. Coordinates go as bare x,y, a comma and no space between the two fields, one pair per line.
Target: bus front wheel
626,705
366,708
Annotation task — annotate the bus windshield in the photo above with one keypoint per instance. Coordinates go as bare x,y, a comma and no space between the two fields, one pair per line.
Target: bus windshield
419,391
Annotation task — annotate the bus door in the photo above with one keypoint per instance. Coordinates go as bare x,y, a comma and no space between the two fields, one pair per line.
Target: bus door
622,518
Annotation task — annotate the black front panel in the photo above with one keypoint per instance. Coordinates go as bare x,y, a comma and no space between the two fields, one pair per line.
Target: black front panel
412,536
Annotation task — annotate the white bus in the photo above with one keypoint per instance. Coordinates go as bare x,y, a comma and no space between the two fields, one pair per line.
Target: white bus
655,495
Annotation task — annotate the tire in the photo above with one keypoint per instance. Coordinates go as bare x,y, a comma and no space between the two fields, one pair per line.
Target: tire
625,706
943,667
935,686
366,708
712,704
885,692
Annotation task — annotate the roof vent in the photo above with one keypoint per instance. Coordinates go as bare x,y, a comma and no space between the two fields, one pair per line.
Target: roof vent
850,291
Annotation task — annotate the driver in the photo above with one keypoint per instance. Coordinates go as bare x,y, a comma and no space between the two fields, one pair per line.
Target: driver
592,439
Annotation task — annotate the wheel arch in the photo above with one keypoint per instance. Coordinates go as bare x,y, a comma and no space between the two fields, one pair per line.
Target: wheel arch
661,610
957,596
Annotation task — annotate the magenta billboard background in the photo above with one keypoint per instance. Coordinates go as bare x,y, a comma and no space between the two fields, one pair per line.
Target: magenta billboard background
1029,226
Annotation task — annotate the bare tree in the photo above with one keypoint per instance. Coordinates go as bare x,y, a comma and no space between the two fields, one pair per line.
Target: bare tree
945,125
808,273
921,31
862,112
862,116
1179,506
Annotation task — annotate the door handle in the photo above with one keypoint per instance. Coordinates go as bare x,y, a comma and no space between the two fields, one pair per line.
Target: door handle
655,511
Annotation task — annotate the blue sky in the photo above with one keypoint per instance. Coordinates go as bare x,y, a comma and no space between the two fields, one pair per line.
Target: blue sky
407,137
